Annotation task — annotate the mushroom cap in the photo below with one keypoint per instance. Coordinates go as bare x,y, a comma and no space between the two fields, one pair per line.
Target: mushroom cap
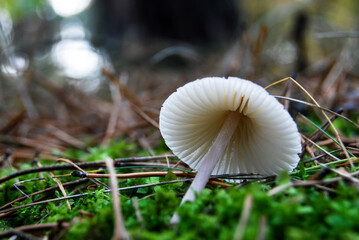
265,142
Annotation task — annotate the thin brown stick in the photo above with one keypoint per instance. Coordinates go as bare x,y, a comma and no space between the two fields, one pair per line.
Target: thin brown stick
140,174
319,147
156,174
5,211
98,183
34,228
346,176
309,150
62,189
325,142
219,183
144,115
123,90
308,183
131,161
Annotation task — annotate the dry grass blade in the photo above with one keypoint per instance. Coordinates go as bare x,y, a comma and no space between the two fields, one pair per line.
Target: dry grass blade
62,189
246,210
322,111
346,176
319,107
137,212
307,183
315,136
262,228
319,147
320,130
120,231
59,183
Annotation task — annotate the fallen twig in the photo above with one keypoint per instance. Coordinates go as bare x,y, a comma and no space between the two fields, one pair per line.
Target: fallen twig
85,194
33,228
346,176
139,174
284,187
68,184
77,167
131,161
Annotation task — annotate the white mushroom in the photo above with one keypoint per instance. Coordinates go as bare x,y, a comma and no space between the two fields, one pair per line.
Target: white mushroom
228,126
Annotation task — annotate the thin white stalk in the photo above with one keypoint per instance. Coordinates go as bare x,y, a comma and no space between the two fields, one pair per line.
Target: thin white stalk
211,159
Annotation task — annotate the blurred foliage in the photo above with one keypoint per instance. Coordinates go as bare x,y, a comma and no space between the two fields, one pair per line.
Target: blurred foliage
114,149
20,9
348,130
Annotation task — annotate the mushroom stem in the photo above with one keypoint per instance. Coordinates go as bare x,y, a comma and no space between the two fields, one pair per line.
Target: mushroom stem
211,159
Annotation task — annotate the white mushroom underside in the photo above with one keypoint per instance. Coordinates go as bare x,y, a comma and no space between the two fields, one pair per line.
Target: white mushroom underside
266,140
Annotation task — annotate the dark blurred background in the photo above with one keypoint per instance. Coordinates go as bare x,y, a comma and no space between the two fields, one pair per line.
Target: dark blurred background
53,53
267,39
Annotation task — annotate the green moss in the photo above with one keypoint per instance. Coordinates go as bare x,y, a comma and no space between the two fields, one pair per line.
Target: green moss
296,213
